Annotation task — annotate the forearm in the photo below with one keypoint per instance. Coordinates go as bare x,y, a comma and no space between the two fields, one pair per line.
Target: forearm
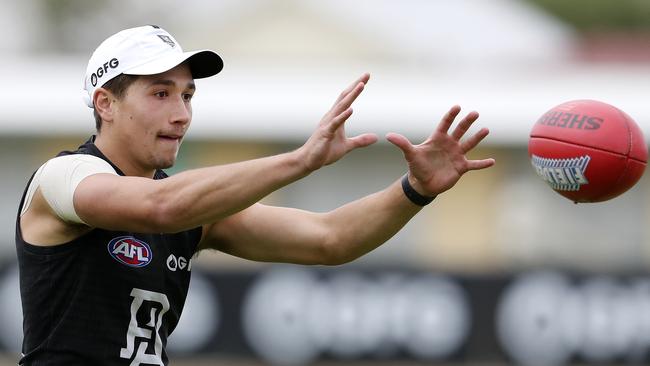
200,196
361,226
281,234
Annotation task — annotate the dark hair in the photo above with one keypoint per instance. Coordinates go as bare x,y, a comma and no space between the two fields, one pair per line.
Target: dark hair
118,86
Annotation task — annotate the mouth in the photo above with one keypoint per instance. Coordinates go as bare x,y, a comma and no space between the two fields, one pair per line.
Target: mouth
170,137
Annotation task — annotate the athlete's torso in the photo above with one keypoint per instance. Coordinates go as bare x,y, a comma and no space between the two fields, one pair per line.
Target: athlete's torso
105,298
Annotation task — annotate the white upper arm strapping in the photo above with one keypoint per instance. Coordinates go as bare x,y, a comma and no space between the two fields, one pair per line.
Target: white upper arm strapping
59,177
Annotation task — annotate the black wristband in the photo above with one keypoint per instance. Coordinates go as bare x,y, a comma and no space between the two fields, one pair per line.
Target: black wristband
413,195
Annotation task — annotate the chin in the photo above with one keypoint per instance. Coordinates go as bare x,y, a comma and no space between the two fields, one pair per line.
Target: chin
165,164
163,160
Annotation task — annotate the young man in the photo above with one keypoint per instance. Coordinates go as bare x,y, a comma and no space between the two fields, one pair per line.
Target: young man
98,227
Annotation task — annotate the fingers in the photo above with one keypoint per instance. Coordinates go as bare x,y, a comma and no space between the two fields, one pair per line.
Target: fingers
337,121
448,119
362,140
401,142
362,79
479,164
347,101
474,140
464,125
341,110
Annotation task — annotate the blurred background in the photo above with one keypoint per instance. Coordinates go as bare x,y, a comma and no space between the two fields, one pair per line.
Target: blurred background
499,270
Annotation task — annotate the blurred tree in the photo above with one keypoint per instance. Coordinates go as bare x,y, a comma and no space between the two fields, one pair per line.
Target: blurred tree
600,15
73,25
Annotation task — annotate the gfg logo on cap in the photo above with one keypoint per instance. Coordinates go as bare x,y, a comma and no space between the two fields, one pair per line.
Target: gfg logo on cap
102,70
130,251
146,50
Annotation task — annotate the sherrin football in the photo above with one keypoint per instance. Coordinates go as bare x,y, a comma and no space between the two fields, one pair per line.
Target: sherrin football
588,151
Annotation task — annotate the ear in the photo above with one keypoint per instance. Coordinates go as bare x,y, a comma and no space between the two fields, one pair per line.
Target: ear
104,104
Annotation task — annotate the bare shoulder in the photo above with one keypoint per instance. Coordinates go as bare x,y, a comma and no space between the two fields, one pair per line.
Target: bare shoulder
48,216
42,227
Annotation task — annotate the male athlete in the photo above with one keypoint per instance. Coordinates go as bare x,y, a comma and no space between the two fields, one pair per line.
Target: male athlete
98,225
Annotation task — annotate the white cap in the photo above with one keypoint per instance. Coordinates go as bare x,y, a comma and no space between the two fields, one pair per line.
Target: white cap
146,50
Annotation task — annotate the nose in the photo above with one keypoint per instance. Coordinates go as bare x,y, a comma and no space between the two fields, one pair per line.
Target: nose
181,111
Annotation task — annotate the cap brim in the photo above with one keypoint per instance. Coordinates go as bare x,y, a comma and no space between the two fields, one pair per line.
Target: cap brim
203,63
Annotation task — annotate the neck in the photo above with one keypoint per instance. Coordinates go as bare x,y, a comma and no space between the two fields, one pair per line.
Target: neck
119,156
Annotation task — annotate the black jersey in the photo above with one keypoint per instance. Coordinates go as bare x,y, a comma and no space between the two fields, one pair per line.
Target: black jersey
105,298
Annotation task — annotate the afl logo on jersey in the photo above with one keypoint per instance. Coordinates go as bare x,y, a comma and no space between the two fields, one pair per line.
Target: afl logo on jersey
130,251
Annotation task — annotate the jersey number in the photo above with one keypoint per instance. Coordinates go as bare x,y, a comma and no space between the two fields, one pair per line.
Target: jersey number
139,337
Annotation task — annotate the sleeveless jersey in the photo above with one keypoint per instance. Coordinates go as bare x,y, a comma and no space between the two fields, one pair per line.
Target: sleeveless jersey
105,298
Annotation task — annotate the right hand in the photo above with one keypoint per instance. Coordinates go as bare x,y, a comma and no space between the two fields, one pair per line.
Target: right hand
329,142
438,163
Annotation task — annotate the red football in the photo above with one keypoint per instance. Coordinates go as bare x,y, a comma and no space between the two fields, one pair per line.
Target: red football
588,151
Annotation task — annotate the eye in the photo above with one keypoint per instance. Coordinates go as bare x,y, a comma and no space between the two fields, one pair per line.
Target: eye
161,94
188,96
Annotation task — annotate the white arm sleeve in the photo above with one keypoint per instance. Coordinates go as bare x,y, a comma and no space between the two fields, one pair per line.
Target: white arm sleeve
59,177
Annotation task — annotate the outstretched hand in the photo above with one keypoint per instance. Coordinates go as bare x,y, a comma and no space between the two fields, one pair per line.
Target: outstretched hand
329,142
438,163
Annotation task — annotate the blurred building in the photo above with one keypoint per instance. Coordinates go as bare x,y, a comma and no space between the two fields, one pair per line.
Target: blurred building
287,60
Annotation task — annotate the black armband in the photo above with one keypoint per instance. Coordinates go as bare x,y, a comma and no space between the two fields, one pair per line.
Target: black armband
413,195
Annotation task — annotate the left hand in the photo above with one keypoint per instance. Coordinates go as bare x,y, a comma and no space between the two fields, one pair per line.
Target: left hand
329,142
438,163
